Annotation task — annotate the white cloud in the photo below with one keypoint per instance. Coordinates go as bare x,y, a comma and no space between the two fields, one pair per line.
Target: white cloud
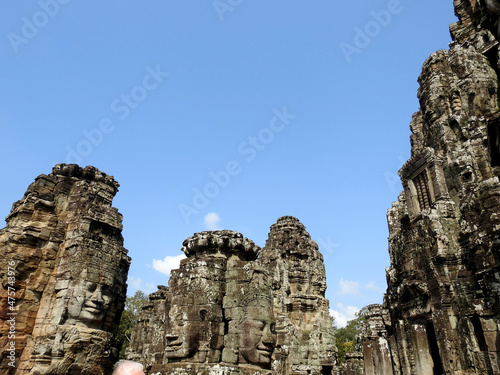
134,282
371,286
168,264
343,314
349,287
150,288
212,221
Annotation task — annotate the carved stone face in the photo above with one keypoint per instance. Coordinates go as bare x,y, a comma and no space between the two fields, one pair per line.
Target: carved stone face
89,302
257,339
183,335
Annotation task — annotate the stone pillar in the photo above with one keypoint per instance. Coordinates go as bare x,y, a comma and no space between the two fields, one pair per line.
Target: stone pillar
378,356
423,358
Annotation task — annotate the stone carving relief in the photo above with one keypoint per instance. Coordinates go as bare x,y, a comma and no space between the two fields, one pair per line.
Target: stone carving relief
219,310
223,313
257,334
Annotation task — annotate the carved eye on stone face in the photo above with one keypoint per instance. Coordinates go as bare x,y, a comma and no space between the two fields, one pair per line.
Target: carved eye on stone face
203,314
253,325
179,320
259,324
90,286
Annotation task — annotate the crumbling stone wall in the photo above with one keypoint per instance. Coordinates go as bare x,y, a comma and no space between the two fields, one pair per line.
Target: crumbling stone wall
444,278
64,241
225,312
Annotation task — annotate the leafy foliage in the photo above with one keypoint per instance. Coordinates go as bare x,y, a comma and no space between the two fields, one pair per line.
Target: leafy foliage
128,321
346,337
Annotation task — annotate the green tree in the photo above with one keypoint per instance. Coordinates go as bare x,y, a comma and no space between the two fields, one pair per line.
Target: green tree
128,321
346,337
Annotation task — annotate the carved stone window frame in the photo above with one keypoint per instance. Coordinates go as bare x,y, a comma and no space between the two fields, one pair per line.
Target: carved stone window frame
423,168
421,189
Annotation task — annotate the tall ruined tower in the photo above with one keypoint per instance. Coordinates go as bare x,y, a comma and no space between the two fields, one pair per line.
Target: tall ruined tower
215,316
63,270
443,292
228,309
305,341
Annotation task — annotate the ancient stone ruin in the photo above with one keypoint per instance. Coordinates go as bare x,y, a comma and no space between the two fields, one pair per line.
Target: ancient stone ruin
235,309
441,313
64,268
305,342
232,308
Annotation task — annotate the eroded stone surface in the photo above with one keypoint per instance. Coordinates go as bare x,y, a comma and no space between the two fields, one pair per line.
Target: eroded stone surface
65,242
219,313
354,364
444,279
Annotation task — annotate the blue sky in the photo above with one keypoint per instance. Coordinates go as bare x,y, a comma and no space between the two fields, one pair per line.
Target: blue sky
223,114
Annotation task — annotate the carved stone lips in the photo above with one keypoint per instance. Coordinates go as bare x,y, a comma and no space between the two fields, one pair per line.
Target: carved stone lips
265,352
92,308
173,345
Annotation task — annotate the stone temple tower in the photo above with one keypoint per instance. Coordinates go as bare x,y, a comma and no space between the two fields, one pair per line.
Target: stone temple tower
443,295
63,269
216,316
305,341
232,308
